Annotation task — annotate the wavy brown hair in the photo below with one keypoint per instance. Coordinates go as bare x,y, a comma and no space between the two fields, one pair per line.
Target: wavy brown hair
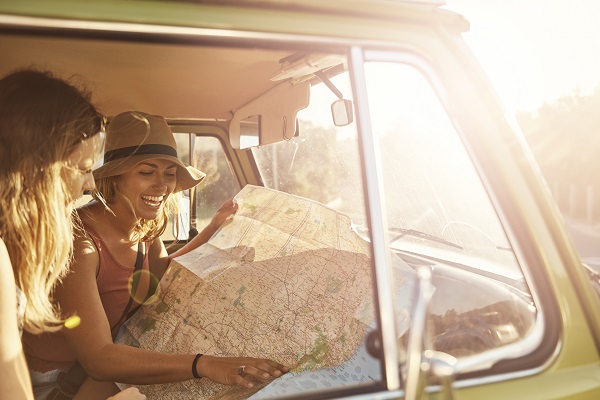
42,120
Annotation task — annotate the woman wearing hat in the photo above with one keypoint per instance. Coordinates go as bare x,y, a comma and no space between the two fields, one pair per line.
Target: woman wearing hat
135,194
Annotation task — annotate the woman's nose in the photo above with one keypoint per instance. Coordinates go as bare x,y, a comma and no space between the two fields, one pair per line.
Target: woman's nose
88,184
160,182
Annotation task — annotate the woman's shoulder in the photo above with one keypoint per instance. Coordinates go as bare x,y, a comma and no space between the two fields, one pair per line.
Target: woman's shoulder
6,269
93,217
92,211
7,280
90,217
3,250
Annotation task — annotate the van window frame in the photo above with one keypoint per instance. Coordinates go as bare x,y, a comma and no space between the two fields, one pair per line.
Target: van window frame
537,350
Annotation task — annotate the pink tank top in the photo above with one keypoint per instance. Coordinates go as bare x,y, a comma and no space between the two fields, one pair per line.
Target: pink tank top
51,350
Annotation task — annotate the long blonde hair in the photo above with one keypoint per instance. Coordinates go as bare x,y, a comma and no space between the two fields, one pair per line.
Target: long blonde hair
42,120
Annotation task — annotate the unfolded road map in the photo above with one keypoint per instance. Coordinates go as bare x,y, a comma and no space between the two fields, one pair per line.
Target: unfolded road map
287,279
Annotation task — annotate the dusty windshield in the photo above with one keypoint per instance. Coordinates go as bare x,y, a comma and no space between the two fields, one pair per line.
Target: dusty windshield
436,203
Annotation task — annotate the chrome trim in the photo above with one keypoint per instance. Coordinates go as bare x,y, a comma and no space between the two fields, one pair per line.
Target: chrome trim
418,339
514,350
465,383
442,368
375,196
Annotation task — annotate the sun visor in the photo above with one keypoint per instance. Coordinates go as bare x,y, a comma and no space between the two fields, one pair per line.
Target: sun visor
269,118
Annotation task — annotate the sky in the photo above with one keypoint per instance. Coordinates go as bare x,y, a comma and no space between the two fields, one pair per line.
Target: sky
535,51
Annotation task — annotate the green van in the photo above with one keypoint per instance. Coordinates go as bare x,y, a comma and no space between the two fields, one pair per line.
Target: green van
377,111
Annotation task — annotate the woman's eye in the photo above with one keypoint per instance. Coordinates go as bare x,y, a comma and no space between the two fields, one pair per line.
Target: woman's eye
146,173
170,174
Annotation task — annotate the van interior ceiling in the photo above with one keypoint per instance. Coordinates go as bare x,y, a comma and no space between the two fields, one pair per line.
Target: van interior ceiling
211,82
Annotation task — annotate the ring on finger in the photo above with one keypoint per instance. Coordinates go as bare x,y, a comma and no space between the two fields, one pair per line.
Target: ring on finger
240,369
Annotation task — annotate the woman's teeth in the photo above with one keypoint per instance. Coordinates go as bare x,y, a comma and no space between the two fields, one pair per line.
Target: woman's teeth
153,201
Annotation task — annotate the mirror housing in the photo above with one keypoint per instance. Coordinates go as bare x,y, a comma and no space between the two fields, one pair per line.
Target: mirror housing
341,112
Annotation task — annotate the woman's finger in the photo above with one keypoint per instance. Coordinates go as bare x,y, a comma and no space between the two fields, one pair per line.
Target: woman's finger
239,380
258,373
280,367
266,369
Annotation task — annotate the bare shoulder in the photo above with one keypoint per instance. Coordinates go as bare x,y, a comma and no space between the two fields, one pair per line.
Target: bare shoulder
13,367
7,280
8,293
3,253
92,213
85,252
156,245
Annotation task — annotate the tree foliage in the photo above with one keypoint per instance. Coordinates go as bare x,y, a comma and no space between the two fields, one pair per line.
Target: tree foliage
565,138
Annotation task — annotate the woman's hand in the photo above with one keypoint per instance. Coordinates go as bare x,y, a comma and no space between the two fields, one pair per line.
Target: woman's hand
237,370
225,211
131,393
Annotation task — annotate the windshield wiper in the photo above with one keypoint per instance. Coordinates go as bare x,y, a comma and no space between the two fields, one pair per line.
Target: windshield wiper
411,232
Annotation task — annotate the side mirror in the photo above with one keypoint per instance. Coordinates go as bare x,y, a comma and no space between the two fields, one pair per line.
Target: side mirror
341,111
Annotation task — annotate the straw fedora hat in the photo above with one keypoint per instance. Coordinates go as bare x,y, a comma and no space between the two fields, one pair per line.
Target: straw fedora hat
134,136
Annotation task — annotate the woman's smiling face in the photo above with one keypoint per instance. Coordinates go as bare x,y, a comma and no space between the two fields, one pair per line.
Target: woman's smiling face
147,186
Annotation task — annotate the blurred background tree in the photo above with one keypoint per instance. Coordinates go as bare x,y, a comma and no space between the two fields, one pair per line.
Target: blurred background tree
564,140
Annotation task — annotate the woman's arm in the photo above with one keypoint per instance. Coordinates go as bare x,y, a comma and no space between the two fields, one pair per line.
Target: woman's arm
106,361
228,208
13,368
91,339
160,259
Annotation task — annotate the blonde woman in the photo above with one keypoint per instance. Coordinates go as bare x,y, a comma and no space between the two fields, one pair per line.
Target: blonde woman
49,140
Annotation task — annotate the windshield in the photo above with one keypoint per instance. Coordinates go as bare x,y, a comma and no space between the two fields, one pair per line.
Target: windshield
436,203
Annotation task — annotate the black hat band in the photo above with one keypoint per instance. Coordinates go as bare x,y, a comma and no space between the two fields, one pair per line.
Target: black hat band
138,150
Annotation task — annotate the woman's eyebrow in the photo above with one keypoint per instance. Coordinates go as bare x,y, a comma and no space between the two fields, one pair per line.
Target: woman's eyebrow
149,164
156,166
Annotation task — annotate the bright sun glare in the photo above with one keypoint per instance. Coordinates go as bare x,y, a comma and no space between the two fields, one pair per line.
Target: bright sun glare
535,51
